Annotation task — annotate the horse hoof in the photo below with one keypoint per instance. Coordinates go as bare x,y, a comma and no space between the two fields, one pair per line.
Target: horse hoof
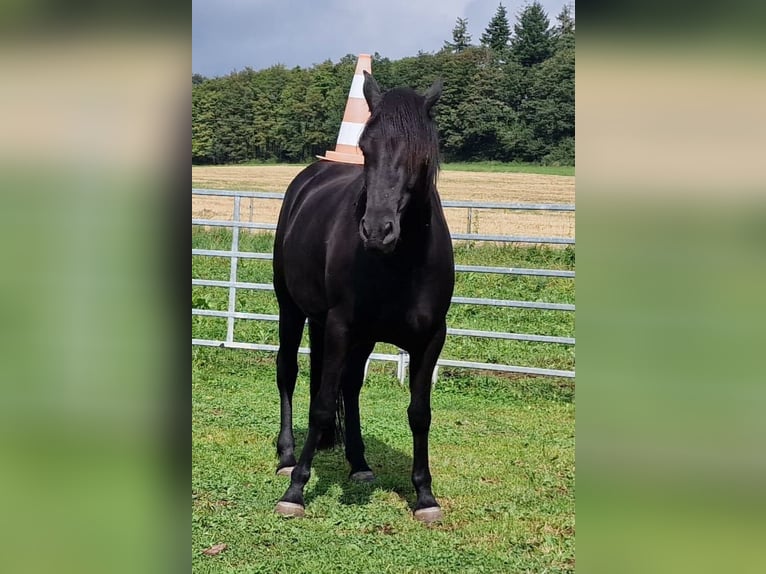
429,515
363,476
285,471
289,509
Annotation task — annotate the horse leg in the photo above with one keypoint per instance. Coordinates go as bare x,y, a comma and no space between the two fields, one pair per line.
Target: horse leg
321,414
351,386
422,363
316,339
291,321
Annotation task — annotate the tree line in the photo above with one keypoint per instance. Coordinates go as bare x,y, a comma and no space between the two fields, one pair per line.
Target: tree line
508,98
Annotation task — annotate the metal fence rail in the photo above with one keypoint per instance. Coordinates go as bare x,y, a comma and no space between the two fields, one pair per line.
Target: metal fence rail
402,359
458,268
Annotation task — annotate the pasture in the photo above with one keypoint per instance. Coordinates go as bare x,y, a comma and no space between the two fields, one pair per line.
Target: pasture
502,447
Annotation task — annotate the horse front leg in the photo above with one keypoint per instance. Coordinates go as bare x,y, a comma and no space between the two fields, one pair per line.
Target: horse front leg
422,363
321,414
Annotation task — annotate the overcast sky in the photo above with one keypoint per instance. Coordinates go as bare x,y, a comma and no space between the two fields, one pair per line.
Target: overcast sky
229,35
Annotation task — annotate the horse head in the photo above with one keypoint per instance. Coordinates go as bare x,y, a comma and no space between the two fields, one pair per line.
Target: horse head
400,144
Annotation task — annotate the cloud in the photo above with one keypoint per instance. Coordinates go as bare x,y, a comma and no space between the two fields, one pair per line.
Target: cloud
234,34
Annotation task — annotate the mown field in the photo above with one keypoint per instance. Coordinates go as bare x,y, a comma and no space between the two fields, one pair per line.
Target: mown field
502,447
456,182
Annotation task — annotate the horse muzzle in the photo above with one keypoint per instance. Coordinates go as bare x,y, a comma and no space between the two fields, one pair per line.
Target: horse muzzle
381,238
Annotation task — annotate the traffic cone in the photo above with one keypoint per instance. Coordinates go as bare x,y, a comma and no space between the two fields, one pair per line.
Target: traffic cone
354,117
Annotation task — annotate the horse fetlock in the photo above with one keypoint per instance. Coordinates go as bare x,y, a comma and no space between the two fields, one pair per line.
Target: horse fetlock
421,479
294,492
300,476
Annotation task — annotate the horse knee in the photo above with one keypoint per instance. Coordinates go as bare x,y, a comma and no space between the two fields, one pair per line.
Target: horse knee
420,418
287,367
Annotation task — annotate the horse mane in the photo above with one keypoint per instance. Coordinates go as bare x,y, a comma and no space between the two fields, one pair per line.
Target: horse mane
402,119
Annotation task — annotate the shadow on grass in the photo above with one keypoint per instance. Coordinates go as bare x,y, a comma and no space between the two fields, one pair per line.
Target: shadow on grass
392,468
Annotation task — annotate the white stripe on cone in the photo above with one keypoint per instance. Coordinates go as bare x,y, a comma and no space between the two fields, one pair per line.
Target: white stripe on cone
349,133
357,85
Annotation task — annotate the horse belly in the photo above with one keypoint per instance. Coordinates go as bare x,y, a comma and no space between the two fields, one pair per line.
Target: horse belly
304,277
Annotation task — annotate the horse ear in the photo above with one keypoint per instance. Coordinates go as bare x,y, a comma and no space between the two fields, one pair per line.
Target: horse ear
371,91
433,93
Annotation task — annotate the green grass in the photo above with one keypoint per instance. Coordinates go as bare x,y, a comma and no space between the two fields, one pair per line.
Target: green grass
511,167
502,447
502,457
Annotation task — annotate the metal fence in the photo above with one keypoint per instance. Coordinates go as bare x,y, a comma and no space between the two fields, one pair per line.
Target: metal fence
402,358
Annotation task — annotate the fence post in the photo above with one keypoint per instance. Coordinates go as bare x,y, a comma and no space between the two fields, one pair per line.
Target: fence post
233,273
470,220
400,366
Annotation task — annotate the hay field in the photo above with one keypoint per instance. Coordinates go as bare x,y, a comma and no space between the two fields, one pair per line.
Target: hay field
457,185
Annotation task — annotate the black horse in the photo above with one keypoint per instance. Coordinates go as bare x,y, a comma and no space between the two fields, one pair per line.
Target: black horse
365,254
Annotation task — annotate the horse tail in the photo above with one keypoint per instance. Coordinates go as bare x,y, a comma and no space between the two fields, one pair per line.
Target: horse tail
340,421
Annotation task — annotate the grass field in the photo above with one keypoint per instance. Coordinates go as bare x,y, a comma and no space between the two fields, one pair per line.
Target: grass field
502,448
513,167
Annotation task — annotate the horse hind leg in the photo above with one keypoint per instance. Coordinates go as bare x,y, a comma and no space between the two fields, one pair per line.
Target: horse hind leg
291,321
321,414
330,437
353,379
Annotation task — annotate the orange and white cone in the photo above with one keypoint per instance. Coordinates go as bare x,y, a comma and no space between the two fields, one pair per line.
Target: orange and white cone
354,117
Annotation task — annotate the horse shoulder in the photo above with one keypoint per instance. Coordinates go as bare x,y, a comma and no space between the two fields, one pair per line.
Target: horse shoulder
312,252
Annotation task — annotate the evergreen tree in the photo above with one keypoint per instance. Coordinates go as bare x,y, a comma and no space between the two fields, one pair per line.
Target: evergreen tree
533,41
566,21
461,39
564,33
498,31
549,110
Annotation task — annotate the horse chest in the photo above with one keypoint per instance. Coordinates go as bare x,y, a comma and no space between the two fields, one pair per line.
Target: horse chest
395,306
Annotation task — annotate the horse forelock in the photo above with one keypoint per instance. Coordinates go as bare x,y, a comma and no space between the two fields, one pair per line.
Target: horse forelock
402,122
